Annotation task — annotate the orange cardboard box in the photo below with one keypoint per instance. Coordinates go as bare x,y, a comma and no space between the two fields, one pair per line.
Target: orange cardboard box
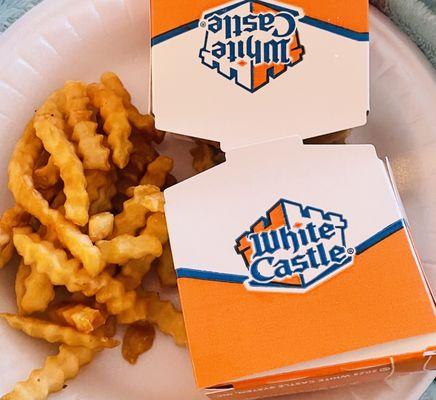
298,275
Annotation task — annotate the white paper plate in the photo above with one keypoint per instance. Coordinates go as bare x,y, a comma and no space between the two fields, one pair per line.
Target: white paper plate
60,40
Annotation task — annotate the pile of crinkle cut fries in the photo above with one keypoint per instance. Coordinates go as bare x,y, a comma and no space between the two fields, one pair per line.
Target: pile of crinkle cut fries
88,225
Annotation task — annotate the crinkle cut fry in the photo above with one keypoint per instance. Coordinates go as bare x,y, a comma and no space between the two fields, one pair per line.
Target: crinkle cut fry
49,127
20,289
24,158
157,171
101,189
53,333
126,247
76,103
81,317
68,272
84,130
12,217
133,271
164,315
37,291
203,157
21,185
90,146
52,377
46,176
142,122
165,267
100,226
159,312
145,199
116,123
142,155
38,294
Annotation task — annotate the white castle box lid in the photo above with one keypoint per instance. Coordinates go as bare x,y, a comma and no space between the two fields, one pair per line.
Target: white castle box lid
248,71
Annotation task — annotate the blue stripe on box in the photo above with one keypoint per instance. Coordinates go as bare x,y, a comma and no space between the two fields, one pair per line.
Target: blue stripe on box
326,26
338,30
210,276
174,32
379,236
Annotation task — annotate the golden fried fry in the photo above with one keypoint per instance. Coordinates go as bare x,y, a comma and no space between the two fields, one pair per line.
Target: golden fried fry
49,234
142,155
22,273
203,157
146,198
331,138
80,245
165,267
46,176
126,247
116,123
83,318
157,226
138,312
89,143
137,340
101,226
68,272
12,217
101,189
23,160
49,127
134,271
142,122
21,185
52,377
54,333
90,146
166,318
47,259
76,103
108,329
158,171
39,292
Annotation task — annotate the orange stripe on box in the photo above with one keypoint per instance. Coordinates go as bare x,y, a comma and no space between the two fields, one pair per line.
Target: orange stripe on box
234,332
170,14
323,378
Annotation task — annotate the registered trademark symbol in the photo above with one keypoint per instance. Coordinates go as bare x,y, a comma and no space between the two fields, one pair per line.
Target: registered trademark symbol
350,251
203,24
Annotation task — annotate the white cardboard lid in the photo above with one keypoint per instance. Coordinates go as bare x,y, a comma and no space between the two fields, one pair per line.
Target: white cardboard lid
319,86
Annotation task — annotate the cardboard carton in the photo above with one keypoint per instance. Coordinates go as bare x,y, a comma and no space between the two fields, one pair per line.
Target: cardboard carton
297,271
248,71
295,264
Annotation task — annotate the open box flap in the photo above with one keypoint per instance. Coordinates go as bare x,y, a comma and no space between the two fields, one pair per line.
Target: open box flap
243,72
298,249
327,376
